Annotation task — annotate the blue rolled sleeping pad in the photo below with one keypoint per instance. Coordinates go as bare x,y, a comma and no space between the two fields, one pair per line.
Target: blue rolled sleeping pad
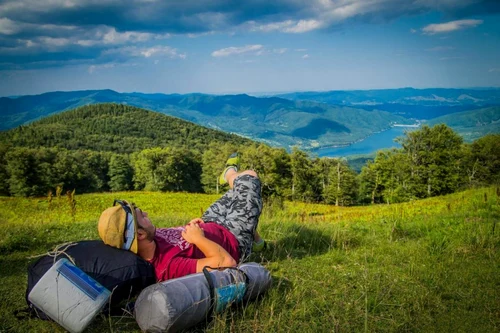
181,303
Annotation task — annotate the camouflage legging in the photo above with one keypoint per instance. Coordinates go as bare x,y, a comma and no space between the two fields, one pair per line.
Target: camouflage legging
238,210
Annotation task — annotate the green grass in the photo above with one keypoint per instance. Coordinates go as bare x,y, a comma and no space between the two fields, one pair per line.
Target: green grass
426,266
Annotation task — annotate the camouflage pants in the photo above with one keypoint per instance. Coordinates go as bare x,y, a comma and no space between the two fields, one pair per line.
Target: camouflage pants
238,210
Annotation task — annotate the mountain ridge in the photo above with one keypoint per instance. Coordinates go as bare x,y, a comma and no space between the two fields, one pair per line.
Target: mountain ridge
271,120
278,121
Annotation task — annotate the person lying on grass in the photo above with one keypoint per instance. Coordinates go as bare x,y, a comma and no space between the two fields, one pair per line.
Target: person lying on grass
225,234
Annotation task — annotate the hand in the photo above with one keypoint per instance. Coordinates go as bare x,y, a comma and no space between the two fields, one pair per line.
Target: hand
196,221
193,233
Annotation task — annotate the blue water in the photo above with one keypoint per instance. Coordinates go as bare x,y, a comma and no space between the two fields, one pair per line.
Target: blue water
382,140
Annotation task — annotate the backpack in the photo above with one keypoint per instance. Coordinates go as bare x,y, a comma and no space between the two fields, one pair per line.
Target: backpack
122,272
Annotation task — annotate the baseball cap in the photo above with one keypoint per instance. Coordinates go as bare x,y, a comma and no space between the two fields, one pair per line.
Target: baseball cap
118,226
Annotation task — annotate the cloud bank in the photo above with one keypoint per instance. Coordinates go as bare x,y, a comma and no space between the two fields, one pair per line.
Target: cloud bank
69,31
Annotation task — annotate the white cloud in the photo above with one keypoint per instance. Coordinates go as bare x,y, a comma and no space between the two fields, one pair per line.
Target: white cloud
305,56
55,27
114,37
161,51
493,70
28,43
413,31
300,50
304,26
275,26
109,36
432,29
343,10
289,26
228,51
51,36
280,51
58,42
93,68
8,27
146,52
257,50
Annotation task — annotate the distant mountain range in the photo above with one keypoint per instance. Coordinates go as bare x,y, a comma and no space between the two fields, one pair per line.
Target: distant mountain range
407,102
307,119
403,96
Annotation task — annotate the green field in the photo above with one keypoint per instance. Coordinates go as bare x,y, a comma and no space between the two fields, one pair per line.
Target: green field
426,266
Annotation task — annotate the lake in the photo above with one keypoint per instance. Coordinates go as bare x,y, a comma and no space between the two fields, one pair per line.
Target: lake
371,144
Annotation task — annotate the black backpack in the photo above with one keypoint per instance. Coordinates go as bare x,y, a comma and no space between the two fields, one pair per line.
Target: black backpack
122,272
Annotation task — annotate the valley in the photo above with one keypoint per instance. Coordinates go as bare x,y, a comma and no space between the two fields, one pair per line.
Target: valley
334,123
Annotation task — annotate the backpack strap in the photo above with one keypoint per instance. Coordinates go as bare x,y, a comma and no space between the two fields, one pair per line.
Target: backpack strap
29,312
211,288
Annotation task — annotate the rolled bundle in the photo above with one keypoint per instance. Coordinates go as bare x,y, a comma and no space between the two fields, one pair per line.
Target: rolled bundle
181,303
259,280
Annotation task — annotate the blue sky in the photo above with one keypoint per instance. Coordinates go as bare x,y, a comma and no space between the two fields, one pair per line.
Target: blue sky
222,46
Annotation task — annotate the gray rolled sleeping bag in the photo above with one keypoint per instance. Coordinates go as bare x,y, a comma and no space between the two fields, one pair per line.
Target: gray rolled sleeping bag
178,304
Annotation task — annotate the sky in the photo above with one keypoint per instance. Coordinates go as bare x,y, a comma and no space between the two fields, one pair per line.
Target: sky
247,46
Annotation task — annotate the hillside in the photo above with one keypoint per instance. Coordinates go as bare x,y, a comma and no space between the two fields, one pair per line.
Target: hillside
424,266
472,124
276,121
116,128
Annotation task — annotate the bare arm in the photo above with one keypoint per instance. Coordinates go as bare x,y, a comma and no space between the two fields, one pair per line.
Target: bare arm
215,255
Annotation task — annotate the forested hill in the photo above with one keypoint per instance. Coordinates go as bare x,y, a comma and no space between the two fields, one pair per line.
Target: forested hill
472,124
116,128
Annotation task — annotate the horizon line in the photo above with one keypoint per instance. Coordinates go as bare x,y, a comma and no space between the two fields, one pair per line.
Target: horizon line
255,93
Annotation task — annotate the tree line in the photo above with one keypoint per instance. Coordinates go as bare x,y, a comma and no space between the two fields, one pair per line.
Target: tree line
432,161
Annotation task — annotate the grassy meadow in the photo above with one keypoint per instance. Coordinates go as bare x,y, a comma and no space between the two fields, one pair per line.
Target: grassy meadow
426,266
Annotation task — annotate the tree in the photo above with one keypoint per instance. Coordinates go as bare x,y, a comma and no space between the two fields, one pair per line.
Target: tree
341,187
167,169
213,162
4,176
120,173
272,166
434,160
306,185
29,171
68,171
393,171
370,190
481,161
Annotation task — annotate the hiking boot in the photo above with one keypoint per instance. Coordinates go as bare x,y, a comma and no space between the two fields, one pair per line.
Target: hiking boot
233,162
259,246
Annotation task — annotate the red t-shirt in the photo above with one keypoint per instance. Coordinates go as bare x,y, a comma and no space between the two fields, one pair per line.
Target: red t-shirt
175,257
